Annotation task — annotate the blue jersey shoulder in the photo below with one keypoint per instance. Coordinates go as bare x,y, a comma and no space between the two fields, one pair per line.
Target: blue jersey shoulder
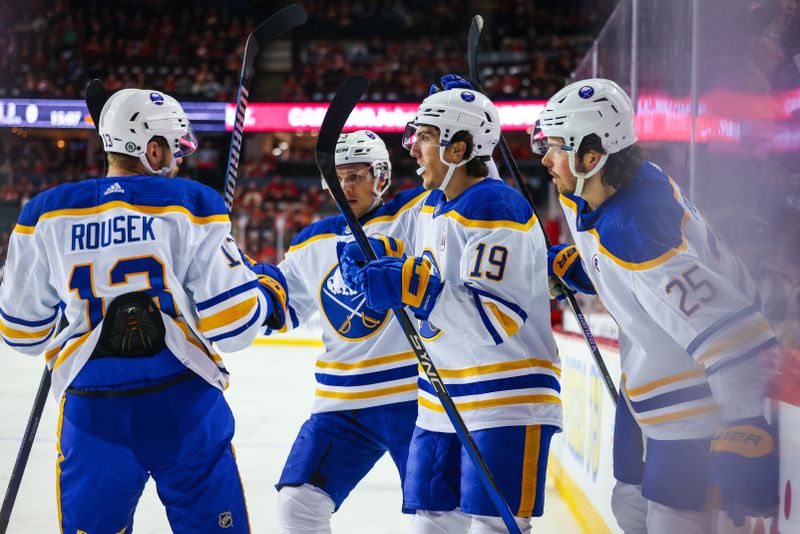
152,191
491,200
642,221
329,225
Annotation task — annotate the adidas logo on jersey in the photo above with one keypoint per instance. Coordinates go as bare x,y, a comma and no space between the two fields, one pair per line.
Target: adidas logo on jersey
114,188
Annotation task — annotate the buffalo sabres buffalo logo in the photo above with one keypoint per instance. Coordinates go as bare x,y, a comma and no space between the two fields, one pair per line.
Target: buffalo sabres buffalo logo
346,310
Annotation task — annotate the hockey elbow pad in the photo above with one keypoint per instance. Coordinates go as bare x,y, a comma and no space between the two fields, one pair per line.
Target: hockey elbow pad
393,282
564,262
744,465
273,284
351,259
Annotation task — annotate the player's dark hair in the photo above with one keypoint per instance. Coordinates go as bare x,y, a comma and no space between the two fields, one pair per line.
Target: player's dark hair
476,166
620,167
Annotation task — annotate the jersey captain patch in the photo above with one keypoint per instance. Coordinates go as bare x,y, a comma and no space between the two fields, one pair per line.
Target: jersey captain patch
346,310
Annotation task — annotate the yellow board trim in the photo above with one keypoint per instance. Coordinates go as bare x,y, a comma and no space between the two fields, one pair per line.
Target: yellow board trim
530,471
505,321
650,386
289,341
372,362
357,395
491,403
582,508
705,408
497,368
228,315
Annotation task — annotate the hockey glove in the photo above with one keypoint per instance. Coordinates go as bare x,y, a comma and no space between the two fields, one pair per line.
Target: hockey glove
351,259
393,282
564,262
273,284
744,465
451,81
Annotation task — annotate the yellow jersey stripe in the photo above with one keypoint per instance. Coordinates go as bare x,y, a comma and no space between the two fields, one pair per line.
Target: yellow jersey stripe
739,339
310,240
228,315
671,379
530,470
21,334
491,403
150,210
67,352
505,321
60,456
497,368
357,395
372,362
21,229
406,206
705,408
476,223
194,341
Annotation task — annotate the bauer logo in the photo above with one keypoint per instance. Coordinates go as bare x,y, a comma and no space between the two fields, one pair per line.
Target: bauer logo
346,310
466,96
586,91
157,99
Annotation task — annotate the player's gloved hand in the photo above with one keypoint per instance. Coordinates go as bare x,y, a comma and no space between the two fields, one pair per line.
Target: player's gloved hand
563,261
557,289
273,284
744,465
391,282
351,259
451,81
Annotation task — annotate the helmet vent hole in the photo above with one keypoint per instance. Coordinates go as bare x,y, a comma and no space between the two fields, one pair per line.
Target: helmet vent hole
614,108
133,117
607,134
603,99
133,131
488,117
617,125
600,113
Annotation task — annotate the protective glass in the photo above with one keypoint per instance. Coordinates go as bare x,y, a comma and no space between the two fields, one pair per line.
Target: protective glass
187,143
355,176
410,135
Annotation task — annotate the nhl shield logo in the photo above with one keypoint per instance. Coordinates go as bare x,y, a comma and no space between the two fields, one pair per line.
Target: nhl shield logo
596,263
225,520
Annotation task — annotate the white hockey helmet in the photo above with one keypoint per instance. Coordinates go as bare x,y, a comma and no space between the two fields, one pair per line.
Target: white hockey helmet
132,117
596,106
364,146
452,111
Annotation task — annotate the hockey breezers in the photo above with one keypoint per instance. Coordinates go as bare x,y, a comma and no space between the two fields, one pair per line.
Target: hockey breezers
475,30
339,110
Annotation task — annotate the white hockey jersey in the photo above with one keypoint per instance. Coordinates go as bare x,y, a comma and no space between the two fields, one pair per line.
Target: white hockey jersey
367,359
79,245
489,332
685,306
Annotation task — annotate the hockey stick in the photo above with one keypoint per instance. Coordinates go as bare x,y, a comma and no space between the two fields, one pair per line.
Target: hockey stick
339,110
96,97
281,22
473,42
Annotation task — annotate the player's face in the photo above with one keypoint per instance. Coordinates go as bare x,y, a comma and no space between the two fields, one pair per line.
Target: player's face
557,163
161,157
426,151
358,185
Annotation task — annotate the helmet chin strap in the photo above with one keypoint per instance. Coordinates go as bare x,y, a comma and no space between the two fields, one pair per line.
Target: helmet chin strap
583,176
451,168
161,172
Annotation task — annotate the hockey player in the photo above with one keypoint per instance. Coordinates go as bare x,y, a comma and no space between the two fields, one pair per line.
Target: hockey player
477,281
365,402
144,272
690,329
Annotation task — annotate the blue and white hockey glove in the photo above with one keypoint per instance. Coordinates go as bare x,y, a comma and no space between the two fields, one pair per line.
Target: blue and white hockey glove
744,465
391,282
351,259
273,284
563,261
451,81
